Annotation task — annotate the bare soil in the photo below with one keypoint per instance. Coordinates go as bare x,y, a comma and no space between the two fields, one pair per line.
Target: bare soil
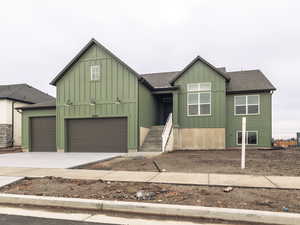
243,198
10,150
258,162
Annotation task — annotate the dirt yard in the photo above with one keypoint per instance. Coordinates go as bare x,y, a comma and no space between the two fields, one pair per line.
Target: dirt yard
243,198
10,150
258,162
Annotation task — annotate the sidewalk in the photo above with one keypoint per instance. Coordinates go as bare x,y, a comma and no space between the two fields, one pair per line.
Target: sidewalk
235,180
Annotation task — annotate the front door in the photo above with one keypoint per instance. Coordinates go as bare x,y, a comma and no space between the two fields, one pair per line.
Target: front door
165,107
168,108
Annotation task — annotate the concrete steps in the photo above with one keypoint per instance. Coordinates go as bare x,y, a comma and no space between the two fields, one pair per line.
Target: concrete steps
153,140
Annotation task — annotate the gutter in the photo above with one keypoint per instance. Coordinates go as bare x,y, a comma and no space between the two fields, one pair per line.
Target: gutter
250,91
12,122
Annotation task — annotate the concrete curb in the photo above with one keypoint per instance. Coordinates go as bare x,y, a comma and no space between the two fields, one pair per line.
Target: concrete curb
157,209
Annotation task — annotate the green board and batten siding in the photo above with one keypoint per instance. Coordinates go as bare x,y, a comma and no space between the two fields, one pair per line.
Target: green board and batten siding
26,115
200,72
148,113
116,82
261,123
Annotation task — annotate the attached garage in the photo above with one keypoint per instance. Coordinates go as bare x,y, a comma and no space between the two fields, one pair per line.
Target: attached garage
97,135
42,133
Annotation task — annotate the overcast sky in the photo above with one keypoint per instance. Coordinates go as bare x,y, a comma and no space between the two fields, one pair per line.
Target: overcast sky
38,38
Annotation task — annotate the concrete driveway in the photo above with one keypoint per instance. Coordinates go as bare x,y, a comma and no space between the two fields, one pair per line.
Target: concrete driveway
52,159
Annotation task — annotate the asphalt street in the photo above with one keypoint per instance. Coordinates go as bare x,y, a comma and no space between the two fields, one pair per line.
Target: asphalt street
27,220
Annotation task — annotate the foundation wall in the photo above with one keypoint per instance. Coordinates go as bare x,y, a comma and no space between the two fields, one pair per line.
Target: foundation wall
143,133
199,138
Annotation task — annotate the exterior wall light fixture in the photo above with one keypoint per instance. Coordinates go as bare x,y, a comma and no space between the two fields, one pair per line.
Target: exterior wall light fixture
118,101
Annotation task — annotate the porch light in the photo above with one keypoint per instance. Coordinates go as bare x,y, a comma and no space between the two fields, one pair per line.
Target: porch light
68,103
118,101
92,102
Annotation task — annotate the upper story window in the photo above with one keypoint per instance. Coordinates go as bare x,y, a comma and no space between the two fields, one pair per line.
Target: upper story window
199,99
246,105
95,72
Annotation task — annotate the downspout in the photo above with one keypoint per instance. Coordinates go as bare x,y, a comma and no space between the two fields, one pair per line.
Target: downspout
12,122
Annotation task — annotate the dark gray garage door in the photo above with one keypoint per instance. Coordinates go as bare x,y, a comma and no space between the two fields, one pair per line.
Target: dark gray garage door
43,134
97,135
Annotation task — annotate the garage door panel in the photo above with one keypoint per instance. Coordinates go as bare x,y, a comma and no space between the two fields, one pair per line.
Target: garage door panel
43,134
97,135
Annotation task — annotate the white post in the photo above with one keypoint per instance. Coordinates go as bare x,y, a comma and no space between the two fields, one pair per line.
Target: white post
243,143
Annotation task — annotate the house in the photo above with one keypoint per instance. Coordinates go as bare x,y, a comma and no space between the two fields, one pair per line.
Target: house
103,105
12,97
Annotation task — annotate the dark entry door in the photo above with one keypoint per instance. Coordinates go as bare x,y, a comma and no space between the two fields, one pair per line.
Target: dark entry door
97,135
168,108
43,130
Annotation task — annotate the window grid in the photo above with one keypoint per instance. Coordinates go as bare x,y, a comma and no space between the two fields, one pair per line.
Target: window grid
246,105
248,131
197,91
95,72
196,87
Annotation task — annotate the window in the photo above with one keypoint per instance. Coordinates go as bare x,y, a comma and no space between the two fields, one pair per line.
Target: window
199,99
199,87
246,105
251,137
95,72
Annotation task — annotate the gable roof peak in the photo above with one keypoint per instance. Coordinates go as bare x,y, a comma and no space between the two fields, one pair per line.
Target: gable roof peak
196,59
82,51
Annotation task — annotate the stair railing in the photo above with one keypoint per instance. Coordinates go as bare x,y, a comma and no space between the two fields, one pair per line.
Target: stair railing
166,132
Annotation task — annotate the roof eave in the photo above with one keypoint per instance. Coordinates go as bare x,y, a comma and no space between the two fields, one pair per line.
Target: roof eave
250,91
37,107
165,88
17,100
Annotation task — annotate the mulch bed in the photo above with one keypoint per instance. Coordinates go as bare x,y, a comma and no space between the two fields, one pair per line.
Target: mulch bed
258,162
242,198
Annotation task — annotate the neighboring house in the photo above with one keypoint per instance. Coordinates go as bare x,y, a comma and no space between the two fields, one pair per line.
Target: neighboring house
12,97
285,143
103,105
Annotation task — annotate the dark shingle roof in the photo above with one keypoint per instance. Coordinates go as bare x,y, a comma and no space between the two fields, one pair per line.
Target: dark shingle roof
249,80
160,80
47,104
240,81
23,93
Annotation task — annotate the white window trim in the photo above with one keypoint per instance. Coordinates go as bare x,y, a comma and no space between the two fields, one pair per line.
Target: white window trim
199,103
247,114
199,86
237,141
91,72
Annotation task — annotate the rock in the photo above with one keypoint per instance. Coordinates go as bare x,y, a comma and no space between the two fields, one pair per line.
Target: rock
285,209
204,192
265,203
143,195
228,189
163,191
